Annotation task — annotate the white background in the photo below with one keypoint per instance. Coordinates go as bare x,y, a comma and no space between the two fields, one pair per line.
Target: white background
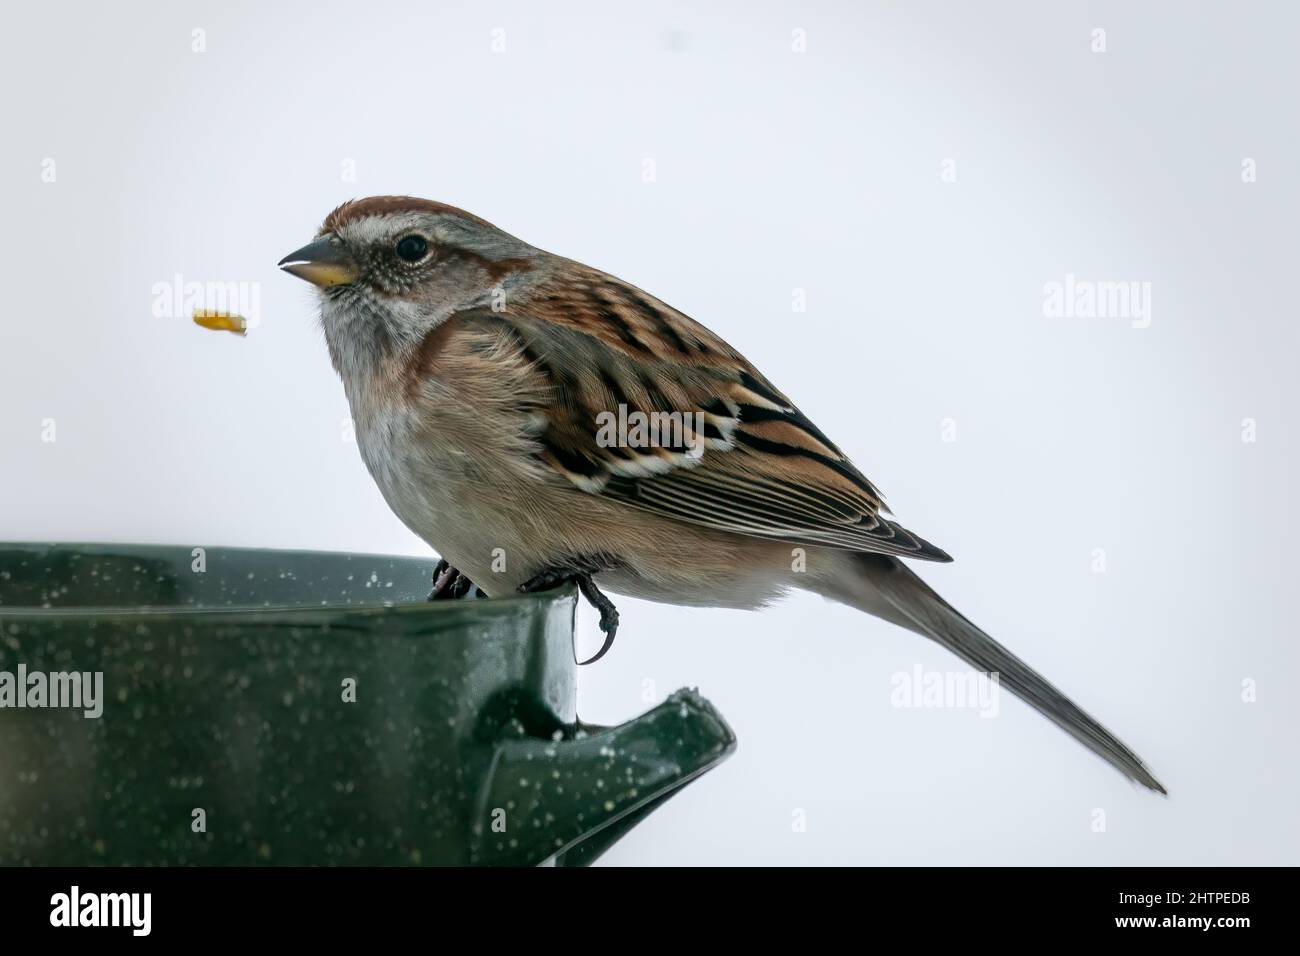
775,170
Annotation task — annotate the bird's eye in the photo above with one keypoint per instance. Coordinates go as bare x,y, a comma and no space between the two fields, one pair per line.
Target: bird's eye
412,248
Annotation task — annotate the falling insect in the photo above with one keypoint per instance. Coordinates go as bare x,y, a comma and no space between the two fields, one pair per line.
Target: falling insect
221,321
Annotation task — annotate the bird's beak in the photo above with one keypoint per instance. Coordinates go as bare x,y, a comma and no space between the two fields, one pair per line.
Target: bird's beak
323,263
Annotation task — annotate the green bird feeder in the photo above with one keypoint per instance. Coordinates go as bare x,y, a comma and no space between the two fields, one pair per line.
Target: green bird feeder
227,706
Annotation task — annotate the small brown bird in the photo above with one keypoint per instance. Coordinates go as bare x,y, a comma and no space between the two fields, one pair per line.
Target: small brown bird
536,420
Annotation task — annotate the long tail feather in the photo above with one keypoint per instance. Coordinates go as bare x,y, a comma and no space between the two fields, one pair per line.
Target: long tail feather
898,595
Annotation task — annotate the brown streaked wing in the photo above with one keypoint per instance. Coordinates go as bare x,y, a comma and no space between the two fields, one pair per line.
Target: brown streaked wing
765,471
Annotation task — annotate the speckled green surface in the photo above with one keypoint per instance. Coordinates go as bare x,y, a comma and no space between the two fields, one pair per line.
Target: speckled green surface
224,692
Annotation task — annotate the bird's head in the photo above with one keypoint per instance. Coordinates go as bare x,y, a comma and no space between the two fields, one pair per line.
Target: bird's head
392,268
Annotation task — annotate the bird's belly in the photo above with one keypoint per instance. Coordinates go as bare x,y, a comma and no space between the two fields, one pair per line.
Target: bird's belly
444,495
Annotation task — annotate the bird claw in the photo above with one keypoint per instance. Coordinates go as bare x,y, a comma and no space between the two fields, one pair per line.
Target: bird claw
449,584
552,577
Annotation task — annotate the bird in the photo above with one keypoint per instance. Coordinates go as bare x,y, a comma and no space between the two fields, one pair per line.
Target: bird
491,386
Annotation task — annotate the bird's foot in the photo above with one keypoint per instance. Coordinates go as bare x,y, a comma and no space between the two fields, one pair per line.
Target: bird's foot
449,584
553,577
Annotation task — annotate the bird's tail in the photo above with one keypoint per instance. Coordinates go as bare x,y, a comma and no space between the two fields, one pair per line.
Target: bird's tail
892,591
